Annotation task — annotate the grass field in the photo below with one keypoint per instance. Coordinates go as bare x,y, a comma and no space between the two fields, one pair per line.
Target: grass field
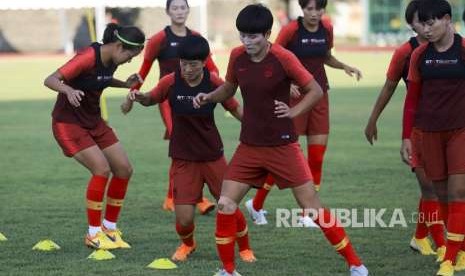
42,192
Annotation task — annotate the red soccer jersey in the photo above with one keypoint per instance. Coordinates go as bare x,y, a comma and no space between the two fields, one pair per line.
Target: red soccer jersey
438,87
84,72
400,61
163,46
261,83
195,136
310,47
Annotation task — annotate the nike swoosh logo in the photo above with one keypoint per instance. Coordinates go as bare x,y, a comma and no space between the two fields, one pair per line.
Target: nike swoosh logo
96,244
113,239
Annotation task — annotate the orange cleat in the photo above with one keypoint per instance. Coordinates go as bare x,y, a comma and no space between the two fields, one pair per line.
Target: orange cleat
247,256
168,204
205,206
182,252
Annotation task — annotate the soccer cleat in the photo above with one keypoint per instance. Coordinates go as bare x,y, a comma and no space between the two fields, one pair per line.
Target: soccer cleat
317,187
258,217
205,206
247,256
460,261
446,269
116,237
100,241
422,246
182,252
441,251
168,204
360,270
307,222
223,272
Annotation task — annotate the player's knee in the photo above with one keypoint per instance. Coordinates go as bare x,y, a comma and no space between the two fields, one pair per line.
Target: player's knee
103,170
226,205
185,221
124,171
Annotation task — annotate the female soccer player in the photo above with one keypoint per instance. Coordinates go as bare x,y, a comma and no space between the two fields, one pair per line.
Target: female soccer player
311,39
199,159
82,133
435,104
429,220
264,73
164,47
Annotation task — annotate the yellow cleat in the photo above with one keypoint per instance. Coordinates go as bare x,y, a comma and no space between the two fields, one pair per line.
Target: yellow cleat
422,246
317,187
446,269
182,252
100,241
460,262
168,204
247,256
116,237
441,251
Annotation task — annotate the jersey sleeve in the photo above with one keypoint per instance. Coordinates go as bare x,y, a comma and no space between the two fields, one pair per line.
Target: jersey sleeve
152,49
294,69
160,92
211,66
231,74
414,67
286,33
328,25
398,62
81,62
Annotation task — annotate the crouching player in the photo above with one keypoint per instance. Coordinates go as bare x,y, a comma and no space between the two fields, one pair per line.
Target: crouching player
264,72
195,145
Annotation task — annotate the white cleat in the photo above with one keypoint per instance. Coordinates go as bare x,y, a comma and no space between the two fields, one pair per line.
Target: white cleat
307,222
258,217
360,270
223,272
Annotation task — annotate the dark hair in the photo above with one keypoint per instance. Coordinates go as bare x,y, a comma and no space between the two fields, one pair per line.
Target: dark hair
168,4
410,11
194,47
320,4
463,16
433,9
130,36
254,19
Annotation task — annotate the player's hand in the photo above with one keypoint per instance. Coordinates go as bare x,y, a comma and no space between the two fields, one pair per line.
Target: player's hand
371,132
134,80
282,110
200,100
351,71
135,96
295,93
74,97
406,151
126,106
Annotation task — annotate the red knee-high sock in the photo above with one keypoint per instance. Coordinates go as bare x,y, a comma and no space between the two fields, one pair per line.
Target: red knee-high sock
444,208
242,235
186,233
169,193
455,230
422,230
337,237
434,221
262,193
115,197
94,195
226,228
315,156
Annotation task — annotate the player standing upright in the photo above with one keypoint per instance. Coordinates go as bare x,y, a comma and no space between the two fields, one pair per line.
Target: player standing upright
264,73
435,104
310,38
429,220
82,133
163,46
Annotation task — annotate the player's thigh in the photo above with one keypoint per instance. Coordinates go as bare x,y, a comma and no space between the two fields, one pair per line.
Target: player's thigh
94,160
118,160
